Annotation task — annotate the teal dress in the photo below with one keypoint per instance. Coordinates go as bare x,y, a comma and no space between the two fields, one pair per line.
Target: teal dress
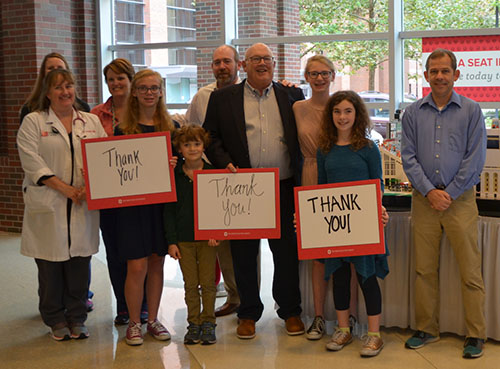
343,164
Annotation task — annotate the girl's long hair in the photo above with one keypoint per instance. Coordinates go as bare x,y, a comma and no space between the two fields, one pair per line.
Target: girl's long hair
34,98
362,123
162,119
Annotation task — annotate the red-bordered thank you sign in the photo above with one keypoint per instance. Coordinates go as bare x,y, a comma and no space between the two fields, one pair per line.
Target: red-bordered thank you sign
242,205
478,59
339,219
128,170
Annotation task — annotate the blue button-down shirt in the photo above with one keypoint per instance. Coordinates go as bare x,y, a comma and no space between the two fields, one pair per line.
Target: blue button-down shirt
444,147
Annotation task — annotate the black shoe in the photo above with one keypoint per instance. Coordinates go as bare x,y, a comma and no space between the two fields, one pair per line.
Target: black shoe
89,305
144,317
352,322
122,318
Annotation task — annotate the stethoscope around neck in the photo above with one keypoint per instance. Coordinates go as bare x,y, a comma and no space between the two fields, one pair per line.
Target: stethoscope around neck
77,127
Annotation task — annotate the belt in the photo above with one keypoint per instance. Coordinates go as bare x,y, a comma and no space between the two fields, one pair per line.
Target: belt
440,187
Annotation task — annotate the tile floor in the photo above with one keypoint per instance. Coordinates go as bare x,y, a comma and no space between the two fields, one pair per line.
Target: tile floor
25,342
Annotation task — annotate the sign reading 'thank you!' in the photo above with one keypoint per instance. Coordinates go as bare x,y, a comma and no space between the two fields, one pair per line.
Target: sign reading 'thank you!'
242,205
128,170
340,219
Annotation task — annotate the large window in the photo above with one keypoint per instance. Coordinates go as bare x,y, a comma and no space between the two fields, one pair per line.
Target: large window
375,44
449,14
323,17
181,23
129,28
142,22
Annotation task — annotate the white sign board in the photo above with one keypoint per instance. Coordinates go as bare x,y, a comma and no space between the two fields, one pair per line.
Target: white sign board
128,170
242,205
341,219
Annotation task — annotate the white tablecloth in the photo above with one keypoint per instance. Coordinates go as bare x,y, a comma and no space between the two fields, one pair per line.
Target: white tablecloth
398,286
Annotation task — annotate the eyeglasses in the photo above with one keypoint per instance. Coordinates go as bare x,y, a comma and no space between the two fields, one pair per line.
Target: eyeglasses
144,89
325,74
257,59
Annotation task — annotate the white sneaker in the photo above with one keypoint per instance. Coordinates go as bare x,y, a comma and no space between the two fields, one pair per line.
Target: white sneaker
317,329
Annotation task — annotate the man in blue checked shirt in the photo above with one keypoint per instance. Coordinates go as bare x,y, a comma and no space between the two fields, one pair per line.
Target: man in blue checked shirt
443,151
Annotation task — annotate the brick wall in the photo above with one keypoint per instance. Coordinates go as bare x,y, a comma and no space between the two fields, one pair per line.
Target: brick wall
264,18
30,29
208,13
256,18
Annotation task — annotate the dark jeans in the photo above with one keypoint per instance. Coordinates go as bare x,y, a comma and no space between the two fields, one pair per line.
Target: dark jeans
286,266
63,288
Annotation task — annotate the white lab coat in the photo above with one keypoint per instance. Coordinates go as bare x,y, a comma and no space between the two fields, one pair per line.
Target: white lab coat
44,149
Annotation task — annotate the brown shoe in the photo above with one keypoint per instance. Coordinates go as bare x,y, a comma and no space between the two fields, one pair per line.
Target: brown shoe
294,326
226,309
246,329
372,345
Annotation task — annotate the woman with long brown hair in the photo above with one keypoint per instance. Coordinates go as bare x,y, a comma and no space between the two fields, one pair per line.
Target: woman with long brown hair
50,62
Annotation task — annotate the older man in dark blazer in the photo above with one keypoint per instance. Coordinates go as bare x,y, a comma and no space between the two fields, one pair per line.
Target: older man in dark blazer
252,126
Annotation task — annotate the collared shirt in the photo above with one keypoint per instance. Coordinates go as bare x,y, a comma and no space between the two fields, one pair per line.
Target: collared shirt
444,147
197,110
105,114
265,133
178,216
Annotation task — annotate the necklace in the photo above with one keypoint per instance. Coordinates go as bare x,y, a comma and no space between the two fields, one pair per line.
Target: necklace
113,113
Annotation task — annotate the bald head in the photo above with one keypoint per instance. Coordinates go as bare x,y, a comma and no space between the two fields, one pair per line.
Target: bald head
258,47
259,64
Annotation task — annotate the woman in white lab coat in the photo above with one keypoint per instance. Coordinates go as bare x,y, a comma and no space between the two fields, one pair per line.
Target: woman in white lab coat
58,229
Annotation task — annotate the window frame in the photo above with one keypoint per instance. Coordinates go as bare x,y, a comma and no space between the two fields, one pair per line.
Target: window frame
229,24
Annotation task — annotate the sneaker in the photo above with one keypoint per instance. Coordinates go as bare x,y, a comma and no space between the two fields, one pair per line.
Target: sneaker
317,329
220,290
144,316
121,318
473,347
339,340
352,322
60,332
134,334
208,333
419,339
193,334
89,305
372,345
79,331
158,330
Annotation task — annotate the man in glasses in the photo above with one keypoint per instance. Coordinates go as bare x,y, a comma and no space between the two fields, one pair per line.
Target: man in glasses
261,109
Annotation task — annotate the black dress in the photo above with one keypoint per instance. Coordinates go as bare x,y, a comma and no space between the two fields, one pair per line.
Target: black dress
140,228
